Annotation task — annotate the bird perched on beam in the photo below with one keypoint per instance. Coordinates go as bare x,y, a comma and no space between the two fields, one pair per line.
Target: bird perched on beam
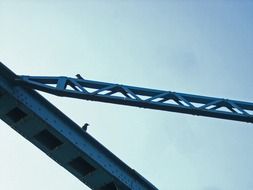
79,76
85,126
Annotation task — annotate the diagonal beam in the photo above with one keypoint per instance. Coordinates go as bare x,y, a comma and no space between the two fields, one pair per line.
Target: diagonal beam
41,123
133,97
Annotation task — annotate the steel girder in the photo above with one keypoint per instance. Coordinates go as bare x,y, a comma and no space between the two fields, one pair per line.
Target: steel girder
141,97
64,141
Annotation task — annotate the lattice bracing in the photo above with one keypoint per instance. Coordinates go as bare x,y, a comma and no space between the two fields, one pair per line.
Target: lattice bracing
141,97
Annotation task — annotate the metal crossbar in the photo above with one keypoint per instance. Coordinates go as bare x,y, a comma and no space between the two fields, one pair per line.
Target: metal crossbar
141,97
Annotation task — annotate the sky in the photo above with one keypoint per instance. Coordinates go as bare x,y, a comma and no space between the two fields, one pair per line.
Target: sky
196,47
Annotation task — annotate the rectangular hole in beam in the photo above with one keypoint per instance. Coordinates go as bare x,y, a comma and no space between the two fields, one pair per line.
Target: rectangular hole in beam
109,186
16,114
81,166
48,140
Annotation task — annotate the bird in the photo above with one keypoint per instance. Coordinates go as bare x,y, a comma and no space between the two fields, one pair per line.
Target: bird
85,126
79,76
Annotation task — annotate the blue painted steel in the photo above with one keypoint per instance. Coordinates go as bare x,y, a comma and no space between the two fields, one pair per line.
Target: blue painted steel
141,97
60,138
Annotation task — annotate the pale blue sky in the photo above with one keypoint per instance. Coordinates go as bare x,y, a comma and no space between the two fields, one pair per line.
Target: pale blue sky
185,46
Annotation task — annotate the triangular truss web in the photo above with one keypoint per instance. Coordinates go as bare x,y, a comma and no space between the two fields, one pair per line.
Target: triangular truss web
224,106
142,97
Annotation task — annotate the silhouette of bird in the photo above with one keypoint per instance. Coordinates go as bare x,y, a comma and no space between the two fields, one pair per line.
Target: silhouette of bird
85,126
79,76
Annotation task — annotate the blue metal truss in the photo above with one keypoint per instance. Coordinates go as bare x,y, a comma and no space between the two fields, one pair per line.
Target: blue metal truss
141,97
31,115
40,122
